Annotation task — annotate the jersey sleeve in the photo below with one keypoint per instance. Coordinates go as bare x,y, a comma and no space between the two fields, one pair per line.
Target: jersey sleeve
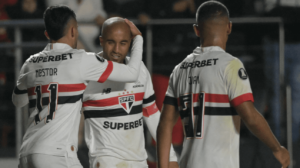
170,97
95,68
20,96
237,83
149,105
151,113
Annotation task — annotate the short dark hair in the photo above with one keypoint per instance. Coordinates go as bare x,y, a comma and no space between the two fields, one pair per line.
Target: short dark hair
56,19
211,9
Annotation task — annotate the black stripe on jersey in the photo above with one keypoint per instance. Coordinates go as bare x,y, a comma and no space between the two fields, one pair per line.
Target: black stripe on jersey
61,100
149,99
111,113
18,91
217,111
171,101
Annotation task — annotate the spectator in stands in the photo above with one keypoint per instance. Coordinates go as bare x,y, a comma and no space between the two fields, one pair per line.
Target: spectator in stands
86,11
6,71
288,10
4,16
127,8
29,9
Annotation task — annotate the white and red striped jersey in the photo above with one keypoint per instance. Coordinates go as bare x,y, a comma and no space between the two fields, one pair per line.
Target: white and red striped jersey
206,86
114,117
53,82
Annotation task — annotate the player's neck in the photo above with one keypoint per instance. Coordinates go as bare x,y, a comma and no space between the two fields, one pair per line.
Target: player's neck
214,42
62,40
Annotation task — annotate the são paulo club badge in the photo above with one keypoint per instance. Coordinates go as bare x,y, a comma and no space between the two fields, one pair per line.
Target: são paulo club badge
243,74
126,102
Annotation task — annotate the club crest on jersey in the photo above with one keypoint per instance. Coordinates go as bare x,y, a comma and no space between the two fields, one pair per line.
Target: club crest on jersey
126,102
243,74
99,58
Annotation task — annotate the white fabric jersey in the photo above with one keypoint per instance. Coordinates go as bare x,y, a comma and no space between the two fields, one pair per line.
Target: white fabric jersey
114,114
205,87
53,82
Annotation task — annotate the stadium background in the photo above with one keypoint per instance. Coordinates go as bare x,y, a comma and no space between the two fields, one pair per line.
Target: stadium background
167,28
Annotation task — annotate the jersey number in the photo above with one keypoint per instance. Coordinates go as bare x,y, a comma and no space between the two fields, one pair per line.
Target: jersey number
192,117
53,94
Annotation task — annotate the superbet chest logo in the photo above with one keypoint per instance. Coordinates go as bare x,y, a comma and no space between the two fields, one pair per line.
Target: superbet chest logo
126,102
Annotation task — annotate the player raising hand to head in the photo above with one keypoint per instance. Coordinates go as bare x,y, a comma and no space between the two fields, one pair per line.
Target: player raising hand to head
53,81
116,112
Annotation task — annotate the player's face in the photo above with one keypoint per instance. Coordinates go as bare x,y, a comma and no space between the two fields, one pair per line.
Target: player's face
116,43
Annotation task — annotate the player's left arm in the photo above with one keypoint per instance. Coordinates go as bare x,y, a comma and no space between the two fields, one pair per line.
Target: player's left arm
151,115
257,124
20,96
241,98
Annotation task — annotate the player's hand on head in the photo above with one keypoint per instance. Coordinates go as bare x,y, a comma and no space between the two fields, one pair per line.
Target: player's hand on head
283,156
134,30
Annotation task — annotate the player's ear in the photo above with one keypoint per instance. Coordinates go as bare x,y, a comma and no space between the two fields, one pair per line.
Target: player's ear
101,40
46,34
229,27
196,30
72,32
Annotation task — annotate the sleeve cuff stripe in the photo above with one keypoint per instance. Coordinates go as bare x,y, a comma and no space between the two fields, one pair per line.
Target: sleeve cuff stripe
171,101
106,73
150,110
242,98
149,99
17,91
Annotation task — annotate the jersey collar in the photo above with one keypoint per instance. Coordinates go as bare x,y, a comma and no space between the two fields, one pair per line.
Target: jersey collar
200,50
57,46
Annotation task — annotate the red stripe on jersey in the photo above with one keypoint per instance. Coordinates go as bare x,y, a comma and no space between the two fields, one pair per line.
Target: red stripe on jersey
61,88
216,98
111,101
149,110
242,98
106,73
213,98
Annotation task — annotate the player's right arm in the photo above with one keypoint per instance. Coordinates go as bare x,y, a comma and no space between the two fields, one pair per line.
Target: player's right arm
257,124
20,96
168,119
95,68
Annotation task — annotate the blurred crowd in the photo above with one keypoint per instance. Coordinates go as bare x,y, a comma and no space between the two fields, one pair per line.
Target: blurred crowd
171,43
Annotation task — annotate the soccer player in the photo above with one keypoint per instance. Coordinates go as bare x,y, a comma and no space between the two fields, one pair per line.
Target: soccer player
210,91
115,112
53,82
